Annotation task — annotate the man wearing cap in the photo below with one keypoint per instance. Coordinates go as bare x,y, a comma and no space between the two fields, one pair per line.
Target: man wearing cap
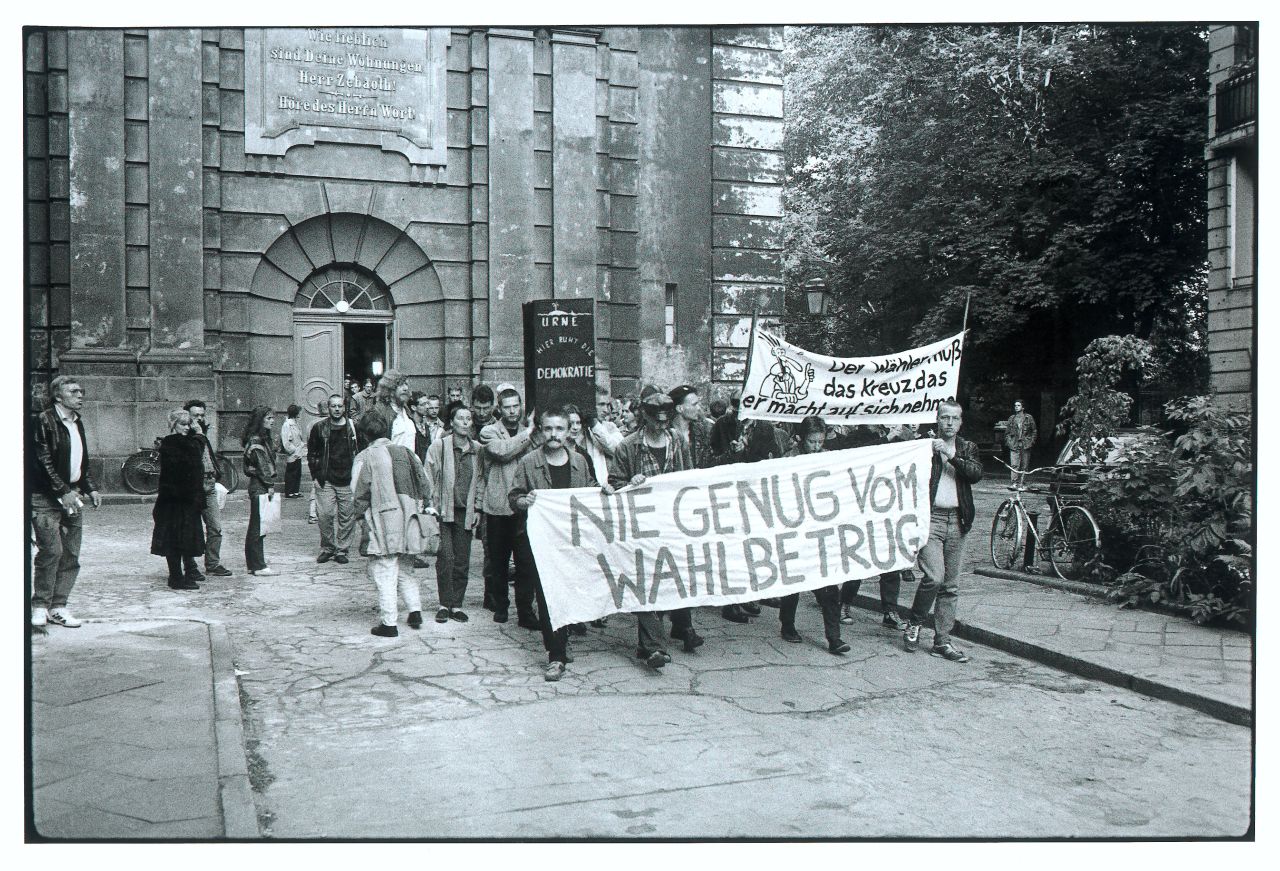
654,450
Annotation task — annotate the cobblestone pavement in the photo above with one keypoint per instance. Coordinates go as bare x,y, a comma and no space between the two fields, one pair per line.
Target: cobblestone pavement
451,731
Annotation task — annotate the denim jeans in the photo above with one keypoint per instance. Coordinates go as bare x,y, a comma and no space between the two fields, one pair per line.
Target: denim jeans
212,515
57,563
336,515
940,560
1020,460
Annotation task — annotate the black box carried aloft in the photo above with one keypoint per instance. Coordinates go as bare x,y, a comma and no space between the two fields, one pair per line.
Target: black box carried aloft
560,354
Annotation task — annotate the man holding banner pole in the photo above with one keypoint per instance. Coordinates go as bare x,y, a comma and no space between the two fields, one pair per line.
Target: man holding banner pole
654,450
957,466
554,467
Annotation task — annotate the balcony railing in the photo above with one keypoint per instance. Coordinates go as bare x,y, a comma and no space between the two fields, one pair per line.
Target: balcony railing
1237,102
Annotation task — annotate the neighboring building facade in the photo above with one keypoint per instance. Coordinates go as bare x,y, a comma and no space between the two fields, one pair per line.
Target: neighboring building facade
248,215
1232,155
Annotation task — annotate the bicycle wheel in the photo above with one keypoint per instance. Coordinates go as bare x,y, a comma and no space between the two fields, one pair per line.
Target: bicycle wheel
230,475
141,472
1072,543
1006,536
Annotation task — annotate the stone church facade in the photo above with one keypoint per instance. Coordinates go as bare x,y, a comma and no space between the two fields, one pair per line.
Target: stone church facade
248,215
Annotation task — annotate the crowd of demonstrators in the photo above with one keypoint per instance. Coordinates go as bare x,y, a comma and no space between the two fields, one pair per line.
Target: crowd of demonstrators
381,452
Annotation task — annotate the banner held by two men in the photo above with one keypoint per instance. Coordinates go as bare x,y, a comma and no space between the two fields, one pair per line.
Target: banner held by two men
731,533
787,383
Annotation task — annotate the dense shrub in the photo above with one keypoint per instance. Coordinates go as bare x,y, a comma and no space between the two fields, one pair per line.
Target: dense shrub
1177,516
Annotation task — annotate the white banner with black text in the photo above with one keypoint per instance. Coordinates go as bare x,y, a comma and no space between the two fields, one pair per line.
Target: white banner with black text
787,383
731,533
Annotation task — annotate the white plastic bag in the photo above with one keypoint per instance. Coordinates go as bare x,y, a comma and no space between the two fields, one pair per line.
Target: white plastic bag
220,493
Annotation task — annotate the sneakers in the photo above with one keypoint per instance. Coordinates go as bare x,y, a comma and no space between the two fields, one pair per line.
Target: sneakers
62,617
267,571
218,572
846,615
442,616
415,619
385,631
39,616
555,671
789,633
911,638
893,622
947,651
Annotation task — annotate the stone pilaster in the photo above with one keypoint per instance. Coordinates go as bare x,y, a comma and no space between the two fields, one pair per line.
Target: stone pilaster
511,205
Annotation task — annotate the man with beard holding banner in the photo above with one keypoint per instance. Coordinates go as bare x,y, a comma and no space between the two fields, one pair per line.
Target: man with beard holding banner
555,467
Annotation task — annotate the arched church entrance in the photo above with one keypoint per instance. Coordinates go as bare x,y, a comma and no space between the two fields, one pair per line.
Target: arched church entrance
343,327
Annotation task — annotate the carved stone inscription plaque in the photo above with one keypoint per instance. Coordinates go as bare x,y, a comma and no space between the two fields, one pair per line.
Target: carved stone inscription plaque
373,86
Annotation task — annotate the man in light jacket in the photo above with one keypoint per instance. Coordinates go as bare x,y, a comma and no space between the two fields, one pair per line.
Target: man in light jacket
390,484
1019,438
452,470
504,442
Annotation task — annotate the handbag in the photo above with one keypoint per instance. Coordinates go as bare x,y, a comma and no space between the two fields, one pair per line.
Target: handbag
268,513
421,533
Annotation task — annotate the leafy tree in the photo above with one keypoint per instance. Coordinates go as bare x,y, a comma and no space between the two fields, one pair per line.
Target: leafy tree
1053,172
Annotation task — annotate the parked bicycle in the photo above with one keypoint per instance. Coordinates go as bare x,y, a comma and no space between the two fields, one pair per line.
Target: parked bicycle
141,471
1069,544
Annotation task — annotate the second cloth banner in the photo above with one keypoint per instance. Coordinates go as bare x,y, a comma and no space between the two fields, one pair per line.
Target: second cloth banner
731,533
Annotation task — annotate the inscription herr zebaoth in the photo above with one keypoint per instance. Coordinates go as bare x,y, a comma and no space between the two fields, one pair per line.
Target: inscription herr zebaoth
372,86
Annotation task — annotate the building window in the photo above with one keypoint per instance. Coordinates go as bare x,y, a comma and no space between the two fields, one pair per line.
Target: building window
669,315
342,289
1243,209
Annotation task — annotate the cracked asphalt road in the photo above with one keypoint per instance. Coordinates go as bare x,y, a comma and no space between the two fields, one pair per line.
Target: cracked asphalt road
451,732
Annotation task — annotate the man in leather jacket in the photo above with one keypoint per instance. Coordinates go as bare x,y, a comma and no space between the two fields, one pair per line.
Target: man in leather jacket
957,466
59,477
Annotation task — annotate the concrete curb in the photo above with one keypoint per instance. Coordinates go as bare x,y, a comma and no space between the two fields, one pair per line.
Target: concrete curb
239,814
1220,709
1080,588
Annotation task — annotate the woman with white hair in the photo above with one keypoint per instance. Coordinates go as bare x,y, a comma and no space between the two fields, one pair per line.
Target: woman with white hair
178,534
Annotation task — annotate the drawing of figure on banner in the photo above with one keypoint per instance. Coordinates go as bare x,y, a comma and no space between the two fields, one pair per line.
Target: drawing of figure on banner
788,380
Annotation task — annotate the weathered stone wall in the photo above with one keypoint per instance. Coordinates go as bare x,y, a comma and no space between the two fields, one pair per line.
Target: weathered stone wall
163,261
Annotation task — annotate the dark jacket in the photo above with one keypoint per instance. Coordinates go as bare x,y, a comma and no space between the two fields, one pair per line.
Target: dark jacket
968,465
701,454
51,457
532,474
206,447
318,451
259,467
178,529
